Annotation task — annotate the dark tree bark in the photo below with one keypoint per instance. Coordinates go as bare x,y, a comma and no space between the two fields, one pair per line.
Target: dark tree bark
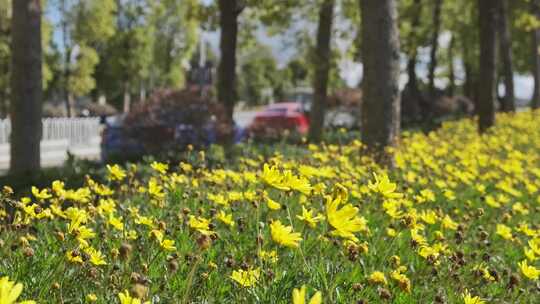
229,11
505,50
126,100
411,98
26,87
434,46
487,80
381,100
322,68
535,102
451,70
68,98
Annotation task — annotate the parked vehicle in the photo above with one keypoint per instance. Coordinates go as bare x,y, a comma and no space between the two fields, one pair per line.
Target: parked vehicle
278,118
168,121
118,142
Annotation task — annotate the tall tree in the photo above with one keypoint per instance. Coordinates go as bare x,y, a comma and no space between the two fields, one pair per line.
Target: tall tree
505,51
131,48
412,33
5,56
451,69
412,45
487,81
381,101
26,86
229,10
437,6
260,72
461,20
176,31
5,53
322,67
535,11
85,26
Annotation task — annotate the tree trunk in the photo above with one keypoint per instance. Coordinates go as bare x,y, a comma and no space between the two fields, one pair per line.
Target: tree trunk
322,68
381,100
505,46
535,102
26,87
228,20
127,98
434,46
4,101
487,79
451,70
411,97
68,98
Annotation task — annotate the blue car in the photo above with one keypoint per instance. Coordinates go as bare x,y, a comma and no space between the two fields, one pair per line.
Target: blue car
119,143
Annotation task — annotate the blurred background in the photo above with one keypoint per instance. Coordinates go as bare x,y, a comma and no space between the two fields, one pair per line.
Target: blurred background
125,78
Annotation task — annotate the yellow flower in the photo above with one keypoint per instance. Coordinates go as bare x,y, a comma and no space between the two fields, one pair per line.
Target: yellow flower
125,298
391,232
96,257
429,217
270,256
308,217
116,222
41,195
273,177
225,218
155,189
383,186
428,252
345,220
246,278
299,296
200,224
283,235
74,257
468,299
529,271
219,199
167,245
529,253
272,204
91,297
448,223
116,173
403,282
377,277
160,167
535,246
10,292
299,184
144,220
504,231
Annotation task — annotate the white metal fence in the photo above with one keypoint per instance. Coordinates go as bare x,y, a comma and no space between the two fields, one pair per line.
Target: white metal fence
78,131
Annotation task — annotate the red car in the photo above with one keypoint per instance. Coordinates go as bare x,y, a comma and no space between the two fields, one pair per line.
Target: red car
278,118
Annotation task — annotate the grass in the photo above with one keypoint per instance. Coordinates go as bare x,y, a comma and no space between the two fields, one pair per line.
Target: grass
435,229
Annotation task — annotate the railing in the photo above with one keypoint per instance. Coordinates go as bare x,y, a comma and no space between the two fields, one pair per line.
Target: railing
78,131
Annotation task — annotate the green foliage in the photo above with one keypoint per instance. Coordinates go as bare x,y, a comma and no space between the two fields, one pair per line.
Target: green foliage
522,23
85,26
94,21
81,80
259,72
176,31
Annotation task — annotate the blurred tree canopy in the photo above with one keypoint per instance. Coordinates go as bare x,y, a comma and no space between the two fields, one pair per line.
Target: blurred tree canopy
125,49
